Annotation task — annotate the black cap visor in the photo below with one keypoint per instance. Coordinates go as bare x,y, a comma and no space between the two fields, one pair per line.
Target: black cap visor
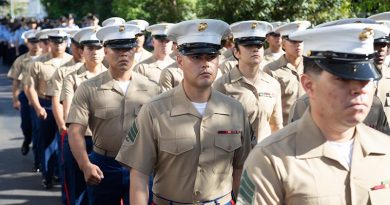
382,40
58,39
198,48
33,40
121,43
246,41
363,70
93,43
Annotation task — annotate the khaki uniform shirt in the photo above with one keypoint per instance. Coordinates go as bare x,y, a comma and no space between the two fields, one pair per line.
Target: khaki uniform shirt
101,104
171,77
28,65
270,57
150,69
192,157
298,165
383,91
72,81
17,69
143,55
58,78
376,118
41,72
227,65
289,79
262,100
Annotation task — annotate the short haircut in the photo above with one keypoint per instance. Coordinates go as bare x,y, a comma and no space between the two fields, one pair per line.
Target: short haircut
311,67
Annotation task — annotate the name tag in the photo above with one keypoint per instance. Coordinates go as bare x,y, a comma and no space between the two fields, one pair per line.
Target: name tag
265,94
229,132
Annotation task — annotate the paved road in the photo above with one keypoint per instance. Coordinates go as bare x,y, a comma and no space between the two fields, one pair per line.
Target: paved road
18,185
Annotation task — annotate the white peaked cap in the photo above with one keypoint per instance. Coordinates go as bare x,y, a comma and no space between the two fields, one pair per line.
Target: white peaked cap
250,29
199,31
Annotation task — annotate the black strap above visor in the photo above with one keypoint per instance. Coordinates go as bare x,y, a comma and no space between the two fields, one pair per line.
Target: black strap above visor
33,40
250,40
385,39
91,43
74,41
346,65
160,37
340,56
121,43
58,39
198,48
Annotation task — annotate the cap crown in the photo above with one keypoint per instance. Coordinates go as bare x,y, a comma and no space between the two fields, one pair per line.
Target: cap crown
347,38
113,21
159,29
117,32
292,27
140,23
381,16
199,31
29,34
250,29
87,34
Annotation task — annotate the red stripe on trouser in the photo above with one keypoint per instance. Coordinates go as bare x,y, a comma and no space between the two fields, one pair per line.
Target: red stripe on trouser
63,134
66,192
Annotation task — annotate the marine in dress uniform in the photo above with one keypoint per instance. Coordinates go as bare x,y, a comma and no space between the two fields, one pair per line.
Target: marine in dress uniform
93,53
19,99
328,156
108,104
38,83
192,137
152,66
376,118
274,40
257,91
382,43
288,68
141,53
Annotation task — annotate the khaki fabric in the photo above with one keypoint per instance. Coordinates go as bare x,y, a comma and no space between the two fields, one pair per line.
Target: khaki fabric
42,71
170,77
72,81
27,66
269,57
289,79
227,65
262,100
101,104
150,69
192,157
16,69
298,166
383,91
144,55
58,78
376,118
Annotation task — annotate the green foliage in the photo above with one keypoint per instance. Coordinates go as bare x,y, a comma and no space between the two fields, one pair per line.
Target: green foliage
316,11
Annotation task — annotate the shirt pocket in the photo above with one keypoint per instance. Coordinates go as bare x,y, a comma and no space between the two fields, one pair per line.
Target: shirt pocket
176,146
380,197
107,113
225,146
317,200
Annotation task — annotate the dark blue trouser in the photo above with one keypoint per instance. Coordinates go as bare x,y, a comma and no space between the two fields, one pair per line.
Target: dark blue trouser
35,136
114,186
47,143
25,114
74,182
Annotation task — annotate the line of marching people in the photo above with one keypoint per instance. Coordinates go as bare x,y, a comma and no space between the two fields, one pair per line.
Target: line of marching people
181,120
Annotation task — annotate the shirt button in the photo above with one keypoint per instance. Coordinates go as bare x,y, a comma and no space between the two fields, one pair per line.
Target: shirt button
197,192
